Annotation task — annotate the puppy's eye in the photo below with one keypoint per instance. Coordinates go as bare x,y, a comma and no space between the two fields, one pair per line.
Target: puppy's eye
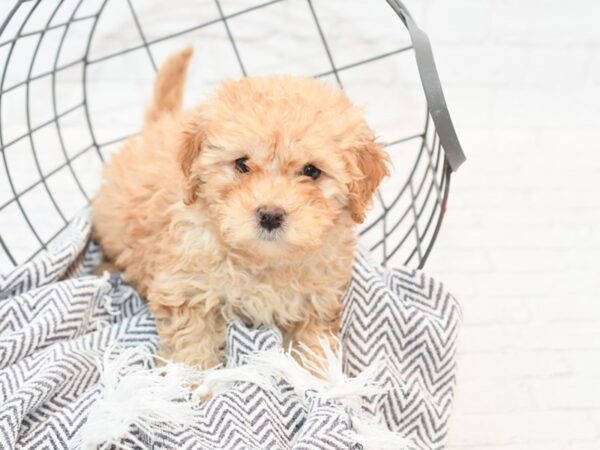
311,171
241,166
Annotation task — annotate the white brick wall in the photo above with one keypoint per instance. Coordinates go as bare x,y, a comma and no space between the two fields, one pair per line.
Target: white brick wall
521,243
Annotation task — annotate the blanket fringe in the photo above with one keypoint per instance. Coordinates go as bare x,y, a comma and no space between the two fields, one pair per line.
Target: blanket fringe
137,394
322,372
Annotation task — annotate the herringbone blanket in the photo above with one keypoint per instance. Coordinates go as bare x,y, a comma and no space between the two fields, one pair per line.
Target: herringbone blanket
57,320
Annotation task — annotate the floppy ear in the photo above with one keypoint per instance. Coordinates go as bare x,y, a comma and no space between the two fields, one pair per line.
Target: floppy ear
190,144
369,167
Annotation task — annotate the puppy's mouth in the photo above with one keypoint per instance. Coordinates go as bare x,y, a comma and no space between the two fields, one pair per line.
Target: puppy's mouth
270,236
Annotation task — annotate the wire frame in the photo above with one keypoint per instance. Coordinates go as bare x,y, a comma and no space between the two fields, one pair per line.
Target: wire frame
51,150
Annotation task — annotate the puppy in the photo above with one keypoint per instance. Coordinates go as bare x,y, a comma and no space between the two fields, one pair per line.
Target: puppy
245,206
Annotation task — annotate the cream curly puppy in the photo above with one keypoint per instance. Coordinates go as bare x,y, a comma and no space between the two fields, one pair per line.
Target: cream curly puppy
244,206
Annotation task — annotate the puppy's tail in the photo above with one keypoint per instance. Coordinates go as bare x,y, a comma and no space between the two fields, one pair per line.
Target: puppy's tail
168,86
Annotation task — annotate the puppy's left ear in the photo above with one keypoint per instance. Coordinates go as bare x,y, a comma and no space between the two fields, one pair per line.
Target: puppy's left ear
191,140
369,165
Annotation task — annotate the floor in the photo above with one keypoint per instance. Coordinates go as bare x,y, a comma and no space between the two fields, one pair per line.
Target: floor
520,246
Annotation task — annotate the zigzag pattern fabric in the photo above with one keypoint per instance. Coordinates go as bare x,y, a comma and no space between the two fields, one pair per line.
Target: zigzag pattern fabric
57,320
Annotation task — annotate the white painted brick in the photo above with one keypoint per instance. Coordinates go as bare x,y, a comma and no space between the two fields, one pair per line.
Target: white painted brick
594,74
480,311
584,364
568,139
519,214
481,65
555,22
554,336
481,339
522,428
470,260
496,286
581,445
512,66
541,260
556,65
522,238
494,396
470,106
526,107
459,21
566,393
572,308
516,365
595,417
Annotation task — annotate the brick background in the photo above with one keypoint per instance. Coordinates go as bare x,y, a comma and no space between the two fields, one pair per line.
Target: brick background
521,242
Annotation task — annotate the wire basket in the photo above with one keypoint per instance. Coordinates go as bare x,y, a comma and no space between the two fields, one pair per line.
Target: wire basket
75,75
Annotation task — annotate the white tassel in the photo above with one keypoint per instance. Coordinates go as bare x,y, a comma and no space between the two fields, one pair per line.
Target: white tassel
321,374
134,394
218,379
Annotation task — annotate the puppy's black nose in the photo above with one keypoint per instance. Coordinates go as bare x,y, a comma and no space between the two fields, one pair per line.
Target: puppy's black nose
270,218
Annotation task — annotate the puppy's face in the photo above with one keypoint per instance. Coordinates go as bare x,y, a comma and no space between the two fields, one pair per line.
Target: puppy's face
280,162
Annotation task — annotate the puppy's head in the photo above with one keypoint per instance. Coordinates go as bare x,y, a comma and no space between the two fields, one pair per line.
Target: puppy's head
280,162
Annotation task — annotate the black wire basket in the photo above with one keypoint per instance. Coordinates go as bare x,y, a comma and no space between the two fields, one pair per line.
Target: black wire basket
75,75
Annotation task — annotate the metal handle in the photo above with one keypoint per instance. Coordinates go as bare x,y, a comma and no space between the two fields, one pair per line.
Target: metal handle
430,80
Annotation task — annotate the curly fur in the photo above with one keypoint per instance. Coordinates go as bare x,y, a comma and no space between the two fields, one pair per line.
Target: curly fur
180,221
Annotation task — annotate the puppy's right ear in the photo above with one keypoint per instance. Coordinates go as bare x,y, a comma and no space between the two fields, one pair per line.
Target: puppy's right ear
191,141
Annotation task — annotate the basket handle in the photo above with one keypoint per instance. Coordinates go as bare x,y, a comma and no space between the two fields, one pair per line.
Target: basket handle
430,80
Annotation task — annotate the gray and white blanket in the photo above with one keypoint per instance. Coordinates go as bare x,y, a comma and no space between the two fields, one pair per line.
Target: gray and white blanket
57,321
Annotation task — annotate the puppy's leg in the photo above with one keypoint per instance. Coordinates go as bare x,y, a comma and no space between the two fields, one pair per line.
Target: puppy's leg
194,335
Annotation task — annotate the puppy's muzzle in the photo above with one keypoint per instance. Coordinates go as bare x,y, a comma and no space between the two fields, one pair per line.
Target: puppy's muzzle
270,218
